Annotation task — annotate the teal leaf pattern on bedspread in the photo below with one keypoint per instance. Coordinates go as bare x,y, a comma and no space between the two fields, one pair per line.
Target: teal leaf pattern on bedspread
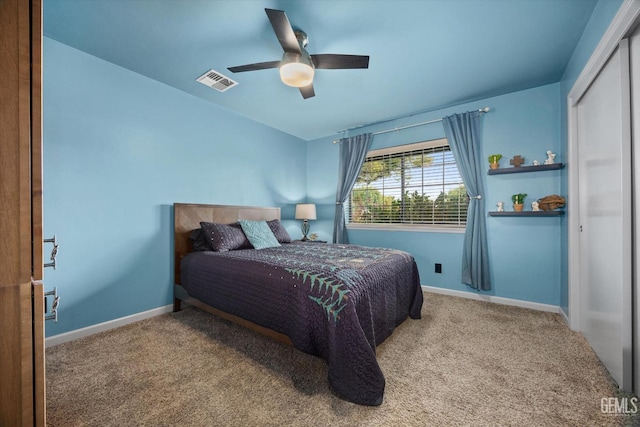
330,281
333,296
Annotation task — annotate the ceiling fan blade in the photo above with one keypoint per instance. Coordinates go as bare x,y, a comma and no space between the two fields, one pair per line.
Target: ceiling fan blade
307,91
339,62
254,67
283,30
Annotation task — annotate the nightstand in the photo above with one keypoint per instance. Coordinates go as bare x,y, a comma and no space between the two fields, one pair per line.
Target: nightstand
310,241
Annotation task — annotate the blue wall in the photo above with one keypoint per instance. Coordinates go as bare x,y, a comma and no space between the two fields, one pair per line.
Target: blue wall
524,252
119,150
600,19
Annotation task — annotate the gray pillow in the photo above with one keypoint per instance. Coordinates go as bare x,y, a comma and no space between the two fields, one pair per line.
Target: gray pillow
198,241
279,231
224,237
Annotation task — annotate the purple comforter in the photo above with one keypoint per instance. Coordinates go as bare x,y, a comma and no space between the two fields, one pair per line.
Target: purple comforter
334,301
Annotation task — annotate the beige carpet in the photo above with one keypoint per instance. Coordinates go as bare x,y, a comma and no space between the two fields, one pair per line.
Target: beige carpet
464,363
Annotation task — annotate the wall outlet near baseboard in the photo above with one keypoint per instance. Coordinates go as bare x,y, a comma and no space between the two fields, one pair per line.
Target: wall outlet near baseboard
438,268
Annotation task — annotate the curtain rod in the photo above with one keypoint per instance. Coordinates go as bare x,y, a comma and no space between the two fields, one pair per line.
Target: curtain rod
482,110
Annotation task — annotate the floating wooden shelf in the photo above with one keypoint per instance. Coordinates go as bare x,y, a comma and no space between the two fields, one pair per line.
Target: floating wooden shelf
527,213
522,169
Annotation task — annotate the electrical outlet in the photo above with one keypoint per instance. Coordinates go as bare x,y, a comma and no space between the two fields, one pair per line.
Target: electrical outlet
438,268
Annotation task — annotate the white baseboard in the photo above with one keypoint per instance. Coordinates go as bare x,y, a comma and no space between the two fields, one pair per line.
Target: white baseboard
105,326
565,316
491,298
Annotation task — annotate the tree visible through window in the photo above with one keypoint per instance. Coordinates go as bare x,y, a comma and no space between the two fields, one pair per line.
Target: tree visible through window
411,184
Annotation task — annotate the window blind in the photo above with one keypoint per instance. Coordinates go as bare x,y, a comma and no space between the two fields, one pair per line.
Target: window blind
410,186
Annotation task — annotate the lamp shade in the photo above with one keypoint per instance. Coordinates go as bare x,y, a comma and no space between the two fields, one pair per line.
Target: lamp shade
296,70
306,211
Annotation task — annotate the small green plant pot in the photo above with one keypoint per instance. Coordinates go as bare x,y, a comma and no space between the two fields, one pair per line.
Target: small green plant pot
493,160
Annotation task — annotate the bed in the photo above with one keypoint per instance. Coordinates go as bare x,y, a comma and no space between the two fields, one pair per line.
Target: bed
334,301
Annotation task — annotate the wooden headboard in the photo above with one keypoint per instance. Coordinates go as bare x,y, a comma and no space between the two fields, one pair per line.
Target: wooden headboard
187,217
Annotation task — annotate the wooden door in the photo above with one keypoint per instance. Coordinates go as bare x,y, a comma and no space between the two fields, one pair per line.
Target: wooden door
22,386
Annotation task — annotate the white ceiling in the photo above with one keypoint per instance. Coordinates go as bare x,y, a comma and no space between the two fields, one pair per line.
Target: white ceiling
424,54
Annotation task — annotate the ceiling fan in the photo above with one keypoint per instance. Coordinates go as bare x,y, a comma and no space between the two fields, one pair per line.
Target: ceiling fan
297,67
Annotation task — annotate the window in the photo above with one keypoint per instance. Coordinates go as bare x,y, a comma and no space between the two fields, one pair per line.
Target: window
410,184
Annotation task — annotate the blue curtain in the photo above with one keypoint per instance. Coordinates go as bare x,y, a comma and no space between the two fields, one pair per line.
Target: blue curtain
464,133
353,152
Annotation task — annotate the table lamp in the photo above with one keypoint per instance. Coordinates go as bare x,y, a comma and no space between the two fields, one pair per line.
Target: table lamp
305,212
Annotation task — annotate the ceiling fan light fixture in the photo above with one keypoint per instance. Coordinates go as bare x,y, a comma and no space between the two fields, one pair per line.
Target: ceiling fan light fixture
297,67
296,70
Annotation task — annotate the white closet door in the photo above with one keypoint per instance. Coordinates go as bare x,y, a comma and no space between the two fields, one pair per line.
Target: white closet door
604,151
634,52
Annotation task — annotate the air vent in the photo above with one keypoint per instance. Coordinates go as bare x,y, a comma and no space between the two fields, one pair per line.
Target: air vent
217,81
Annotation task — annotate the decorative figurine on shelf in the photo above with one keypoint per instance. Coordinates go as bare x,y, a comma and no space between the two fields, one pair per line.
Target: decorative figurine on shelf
550,158
500,206
536,163
535,206
517,161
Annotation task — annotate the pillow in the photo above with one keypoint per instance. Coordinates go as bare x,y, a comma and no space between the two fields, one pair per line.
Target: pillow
279,231
224,237
259,234
198,241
